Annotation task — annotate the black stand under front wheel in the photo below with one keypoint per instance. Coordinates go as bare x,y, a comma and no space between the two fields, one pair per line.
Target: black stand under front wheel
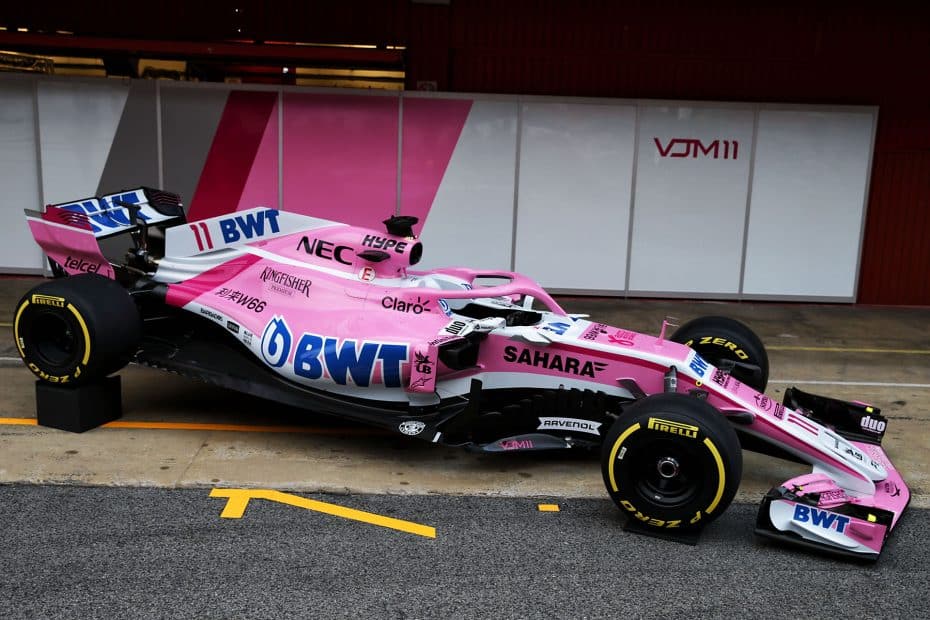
672,462
74,330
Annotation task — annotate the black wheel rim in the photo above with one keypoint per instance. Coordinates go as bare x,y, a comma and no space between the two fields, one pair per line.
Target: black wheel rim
53,338
667,472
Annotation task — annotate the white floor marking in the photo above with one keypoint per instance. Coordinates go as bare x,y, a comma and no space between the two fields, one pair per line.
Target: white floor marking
860,383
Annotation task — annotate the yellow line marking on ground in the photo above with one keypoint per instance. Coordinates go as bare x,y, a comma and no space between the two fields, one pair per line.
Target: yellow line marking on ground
548,507
238,500
18,421
4,324
210,426
248,428
849,350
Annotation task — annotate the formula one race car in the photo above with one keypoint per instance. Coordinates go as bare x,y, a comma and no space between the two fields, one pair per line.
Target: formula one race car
332,318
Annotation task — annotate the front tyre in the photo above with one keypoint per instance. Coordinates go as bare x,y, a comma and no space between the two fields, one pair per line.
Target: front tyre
77,329
672,461
720,338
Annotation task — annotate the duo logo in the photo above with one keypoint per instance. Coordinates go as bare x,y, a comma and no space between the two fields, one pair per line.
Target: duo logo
821,518
315,355
103,214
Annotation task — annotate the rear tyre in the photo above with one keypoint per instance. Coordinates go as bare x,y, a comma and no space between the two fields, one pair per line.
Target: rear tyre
719,338
671,461
77,329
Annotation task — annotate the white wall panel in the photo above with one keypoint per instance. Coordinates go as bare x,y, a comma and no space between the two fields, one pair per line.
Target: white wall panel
18,161
809,184
471,221
690,201
573,214
77,122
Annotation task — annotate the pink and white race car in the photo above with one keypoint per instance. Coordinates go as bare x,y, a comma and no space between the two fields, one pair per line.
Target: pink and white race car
333,318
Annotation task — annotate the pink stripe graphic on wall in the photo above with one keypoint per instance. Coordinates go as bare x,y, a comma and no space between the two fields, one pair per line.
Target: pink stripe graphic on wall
431,130
340,157
230,162
261,186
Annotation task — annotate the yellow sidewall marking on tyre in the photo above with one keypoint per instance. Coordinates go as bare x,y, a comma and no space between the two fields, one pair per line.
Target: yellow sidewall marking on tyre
16,328
80,320
613,454
721,476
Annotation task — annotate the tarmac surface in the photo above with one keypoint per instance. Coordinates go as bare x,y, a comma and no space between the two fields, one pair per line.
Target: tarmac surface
82,552
162,550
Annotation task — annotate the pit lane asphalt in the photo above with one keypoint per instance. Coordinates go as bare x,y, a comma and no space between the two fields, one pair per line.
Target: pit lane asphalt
91,552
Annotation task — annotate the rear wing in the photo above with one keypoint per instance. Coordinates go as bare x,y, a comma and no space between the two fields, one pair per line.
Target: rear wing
70,232
109,215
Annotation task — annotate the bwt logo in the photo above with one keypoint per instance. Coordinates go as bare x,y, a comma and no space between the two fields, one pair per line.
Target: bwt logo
237,228
698,365
316,357
821,518
249,225
694,148
104,215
